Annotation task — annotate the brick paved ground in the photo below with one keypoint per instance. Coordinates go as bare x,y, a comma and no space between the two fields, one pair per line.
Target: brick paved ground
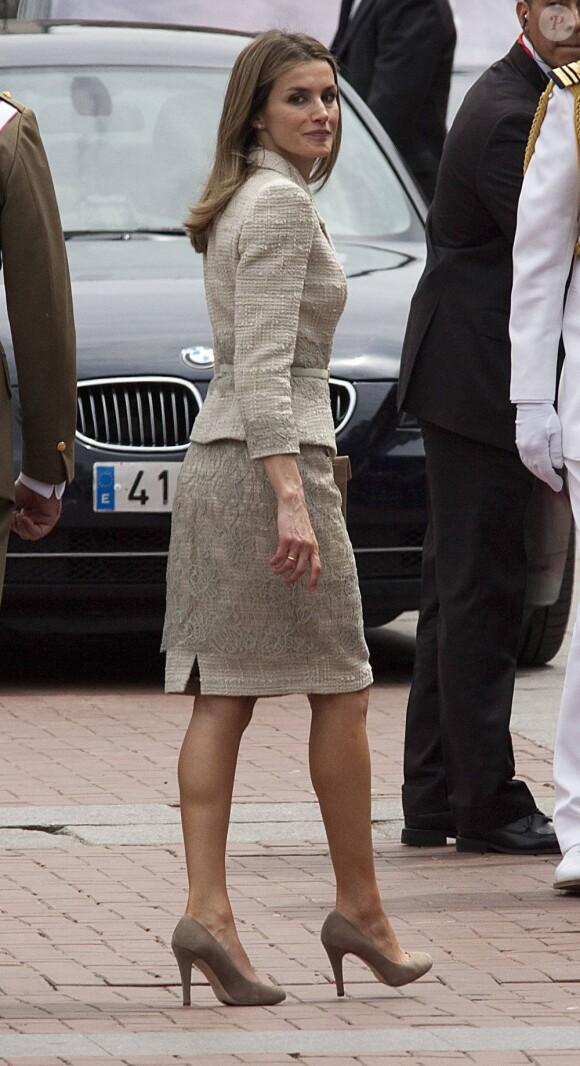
86,974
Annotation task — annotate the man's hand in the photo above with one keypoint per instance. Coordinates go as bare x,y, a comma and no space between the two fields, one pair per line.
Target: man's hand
34,516
539,441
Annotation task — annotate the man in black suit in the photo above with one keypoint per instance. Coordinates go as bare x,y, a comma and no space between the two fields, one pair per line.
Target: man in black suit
398,55
459,764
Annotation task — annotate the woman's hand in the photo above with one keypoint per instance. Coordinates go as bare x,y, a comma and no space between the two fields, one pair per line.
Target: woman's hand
297,544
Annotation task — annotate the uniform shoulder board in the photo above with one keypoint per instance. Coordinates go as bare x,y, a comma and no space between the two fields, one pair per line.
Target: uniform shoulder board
7,109
567,76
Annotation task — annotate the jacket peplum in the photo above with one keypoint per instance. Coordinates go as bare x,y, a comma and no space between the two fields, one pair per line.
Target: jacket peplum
275,291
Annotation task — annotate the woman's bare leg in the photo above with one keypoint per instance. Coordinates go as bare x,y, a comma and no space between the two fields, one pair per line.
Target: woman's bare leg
206,771
340,768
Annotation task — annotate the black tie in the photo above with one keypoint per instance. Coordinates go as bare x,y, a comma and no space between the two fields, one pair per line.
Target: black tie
344,17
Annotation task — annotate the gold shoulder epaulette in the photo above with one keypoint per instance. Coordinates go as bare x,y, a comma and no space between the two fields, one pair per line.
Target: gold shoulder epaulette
7,98
567,76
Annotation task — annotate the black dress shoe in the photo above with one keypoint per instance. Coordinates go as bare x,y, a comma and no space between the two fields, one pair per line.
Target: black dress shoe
532,835
429,831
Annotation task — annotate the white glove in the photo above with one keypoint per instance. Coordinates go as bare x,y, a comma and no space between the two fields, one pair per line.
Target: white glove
539,441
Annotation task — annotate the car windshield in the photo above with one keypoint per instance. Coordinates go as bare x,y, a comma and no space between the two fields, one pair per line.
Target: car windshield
130,147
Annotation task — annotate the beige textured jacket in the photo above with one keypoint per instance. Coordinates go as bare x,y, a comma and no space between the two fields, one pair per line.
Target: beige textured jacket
275,292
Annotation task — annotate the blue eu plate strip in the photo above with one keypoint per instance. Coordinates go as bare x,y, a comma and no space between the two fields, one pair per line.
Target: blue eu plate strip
105,488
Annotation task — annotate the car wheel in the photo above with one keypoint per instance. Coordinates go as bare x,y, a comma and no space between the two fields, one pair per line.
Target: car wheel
544,628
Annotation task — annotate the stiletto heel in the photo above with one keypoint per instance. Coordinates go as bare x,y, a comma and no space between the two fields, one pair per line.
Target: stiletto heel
336,956
194,945
185,962
339,938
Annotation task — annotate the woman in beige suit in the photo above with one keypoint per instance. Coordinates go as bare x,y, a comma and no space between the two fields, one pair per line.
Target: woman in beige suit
262,588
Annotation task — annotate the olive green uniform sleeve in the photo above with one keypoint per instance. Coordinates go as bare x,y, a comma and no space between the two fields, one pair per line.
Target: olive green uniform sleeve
39,301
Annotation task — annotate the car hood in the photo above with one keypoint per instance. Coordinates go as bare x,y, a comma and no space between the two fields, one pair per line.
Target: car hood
139,302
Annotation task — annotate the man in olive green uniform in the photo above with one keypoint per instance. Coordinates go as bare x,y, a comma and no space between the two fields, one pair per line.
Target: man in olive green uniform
42,328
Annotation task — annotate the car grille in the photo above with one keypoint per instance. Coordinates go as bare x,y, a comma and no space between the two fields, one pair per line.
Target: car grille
92,540
144,414
342,402
101,572
97,557
153,414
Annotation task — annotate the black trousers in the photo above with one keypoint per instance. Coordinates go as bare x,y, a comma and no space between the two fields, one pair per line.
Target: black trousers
458,749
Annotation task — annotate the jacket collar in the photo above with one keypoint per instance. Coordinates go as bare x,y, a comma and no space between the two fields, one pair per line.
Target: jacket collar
527,66
529,48
267,160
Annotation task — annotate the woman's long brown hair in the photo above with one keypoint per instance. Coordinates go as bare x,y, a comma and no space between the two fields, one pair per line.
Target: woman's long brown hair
254,72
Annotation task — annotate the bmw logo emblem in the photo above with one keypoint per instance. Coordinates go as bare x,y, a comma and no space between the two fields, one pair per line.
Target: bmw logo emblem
197,356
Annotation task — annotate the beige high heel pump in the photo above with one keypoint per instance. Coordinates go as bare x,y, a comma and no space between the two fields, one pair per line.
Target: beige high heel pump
340,938
193,945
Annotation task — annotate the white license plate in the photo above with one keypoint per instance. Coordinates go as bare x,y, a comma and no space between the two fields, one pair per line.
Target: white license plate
144,487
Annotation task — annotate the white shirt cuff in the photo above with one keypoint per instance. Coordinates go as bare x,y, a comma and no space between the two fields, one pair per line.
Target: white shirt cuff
42,488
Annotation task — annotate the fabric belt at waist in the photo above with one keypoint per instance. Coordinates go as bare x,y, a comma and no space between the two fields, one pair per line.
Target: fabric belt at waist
295,371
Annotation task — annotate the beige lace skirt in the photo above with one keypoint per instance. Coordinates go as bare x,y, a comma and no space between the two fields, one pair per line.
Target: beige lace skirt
231,627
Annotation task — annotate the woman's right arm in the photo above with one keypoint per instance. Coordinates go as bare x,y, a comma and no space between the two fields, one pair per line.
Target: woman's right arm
297,544
274,248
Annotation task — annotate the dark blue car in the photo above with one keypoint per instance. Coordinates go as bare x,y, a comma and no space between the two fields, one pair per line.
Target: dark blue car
128,115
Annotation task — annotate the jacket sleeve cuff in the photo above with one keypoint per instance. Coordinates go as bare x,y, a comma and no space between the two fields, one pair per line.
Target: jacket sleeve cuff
270,436
42,488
